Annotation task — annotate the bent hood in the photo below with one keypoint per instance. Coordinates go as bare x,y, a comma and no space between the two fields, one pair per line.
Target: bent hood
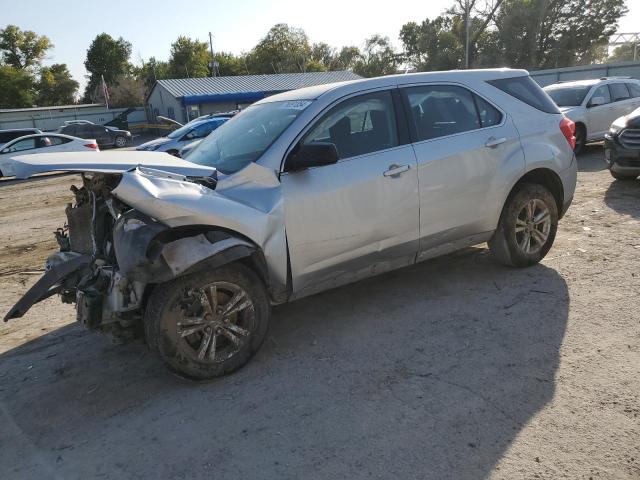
105,162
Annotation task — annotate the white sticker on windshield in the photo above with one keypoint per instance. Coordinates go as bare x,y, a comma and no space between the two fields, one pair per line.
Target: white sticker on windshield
295,104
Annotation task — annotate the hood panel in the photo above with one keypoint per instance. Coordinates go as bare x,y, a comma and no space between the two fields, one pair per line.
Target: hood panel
105,162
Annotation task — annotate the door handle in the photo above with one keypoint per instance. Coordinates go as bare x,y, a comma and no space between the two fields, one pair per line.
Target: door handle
494,142
395,170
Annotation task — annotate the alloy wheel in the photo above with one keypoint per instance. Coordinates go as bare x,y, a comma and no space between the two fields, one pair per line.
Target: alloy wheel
533,226
216,322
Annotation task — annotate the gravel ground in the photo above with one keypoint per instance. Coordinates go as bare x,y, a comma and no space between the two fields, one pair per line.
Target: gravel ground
453,368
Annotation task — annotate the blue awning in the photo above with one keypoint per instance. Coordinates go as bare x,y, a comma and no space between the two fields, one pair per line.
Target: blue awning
240,97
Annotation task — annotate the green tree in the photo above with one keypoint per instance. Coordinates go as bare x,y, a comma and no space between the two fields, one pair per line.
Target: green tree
127,91
230,64
432,44
189,58
108,58
283,50
624,53
377,58
22,49
151,71
16,87
56,86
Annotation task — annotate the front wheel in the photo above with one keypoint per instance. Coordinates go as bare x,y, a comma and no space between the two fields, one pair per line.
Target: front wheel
527,227
120,142
209,323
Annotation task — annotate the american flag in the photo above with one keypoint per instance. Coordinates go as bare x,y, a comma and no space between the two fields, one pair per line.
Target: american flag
105,90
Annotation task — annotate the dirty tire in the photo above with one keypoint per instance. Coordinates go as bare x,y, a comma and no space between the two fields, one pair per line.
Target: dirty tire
172,313
120,141
623,176
506,243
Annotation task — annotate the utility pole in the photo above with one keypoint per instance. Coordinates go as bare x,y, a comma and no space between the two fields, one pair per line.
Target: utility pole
213,67
466,36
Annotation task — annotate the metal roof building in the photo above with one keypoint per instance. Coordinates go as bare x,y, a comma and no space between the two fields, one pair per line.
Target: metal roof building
186,98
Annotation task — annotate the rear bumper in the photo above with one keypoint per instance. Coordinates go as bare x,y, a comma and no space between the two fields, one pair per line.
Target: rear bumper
619,158
569,178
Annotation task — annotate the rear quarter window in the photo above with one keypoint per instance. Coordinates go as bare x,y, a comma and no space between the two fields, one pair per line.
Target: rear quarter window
526,90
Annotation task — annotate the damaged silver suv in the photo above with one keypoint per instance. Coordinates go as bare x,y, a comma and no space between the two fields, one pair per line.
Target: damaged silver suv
301,192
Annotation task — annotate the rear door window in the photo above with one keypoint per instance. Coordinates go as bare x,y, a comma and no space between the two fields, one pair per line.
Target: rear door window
528,91
634,89
619,92
358,126
441,110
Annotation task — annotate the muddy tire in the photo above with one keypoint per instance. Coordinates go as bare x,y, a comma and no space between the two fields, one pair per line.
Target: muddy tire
527,227
623,176
209,323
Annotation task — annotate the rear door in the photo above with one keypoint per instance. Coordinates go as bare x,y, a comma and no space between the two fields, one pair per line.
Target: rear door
467,149
621,98
359,216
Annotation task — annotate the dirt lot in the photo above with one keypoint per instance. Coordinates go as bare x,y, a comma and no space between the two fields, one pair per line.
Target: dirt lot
454,368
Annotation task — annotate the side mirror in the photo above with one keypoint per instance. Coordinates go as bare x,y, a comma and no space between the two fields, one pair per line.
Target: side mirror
596,101
310,155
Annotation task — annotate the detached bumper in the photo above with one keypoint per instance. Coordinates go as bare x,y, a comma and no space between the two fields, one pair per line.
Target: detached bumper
619,158
49,284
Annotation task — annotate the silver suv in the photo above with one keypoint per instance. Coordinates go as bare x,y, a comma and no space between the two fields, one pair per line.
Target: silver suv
594,104
301,192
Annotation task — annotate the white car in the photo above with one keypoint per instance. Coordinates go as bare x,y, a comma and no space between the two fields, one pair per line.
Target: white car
41,143
594,104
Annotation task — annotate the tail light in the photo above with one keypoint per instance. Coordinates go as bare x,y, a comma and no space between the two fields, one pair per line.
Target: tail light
93,146
568,129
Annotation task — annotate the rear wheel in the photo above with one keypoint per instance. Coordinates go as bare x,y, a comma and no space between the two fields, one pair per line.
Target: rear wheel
527,227
209,323
623,176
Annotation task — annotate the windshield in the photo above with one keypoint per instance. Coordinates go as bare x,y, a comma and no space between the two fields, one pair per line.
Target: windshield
180,132
568,96
244,138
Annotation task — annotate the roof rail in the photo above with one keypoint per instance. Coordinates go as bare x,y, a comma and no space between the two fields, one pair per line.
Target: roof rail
621,77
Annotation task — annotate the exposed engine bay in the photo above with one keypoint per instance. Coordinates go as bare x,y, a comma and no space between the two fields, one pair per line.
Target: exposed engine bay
111,255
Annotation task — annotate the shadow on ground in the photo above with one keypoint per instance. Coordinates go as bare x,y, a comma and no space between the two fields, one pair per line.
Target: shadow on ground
426,372
623,196
592,158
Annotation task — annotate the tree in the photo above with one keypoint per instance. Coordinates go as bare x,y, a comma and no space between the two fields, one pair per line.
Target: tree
229,64
22,49
377,58
624,53
56,86
432,45
108,58
127,91
16,87
283,50
189,58
151,71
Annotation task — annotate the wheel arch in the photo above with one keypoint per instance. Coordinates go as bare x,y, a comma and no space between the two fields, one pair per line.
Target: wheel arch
548,179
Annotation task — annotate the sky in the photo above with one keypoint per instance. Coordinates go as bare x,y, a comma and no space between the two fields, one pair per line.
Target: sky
237,25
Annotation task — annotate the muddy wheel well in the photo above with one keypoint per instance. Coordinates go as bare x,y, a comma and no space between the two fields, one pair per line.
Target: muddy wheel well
254,260
547,178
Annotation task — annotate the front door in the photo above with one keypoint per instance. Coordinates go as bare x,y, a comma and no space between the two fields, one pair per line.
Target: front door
359,216
467,152
599,117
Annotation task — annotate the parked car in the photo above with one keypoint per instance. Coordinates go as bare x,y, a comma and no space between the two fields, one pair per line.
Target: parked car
188,148
11,134
594,104
41,143
105,136
177,139
622,147
305,191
